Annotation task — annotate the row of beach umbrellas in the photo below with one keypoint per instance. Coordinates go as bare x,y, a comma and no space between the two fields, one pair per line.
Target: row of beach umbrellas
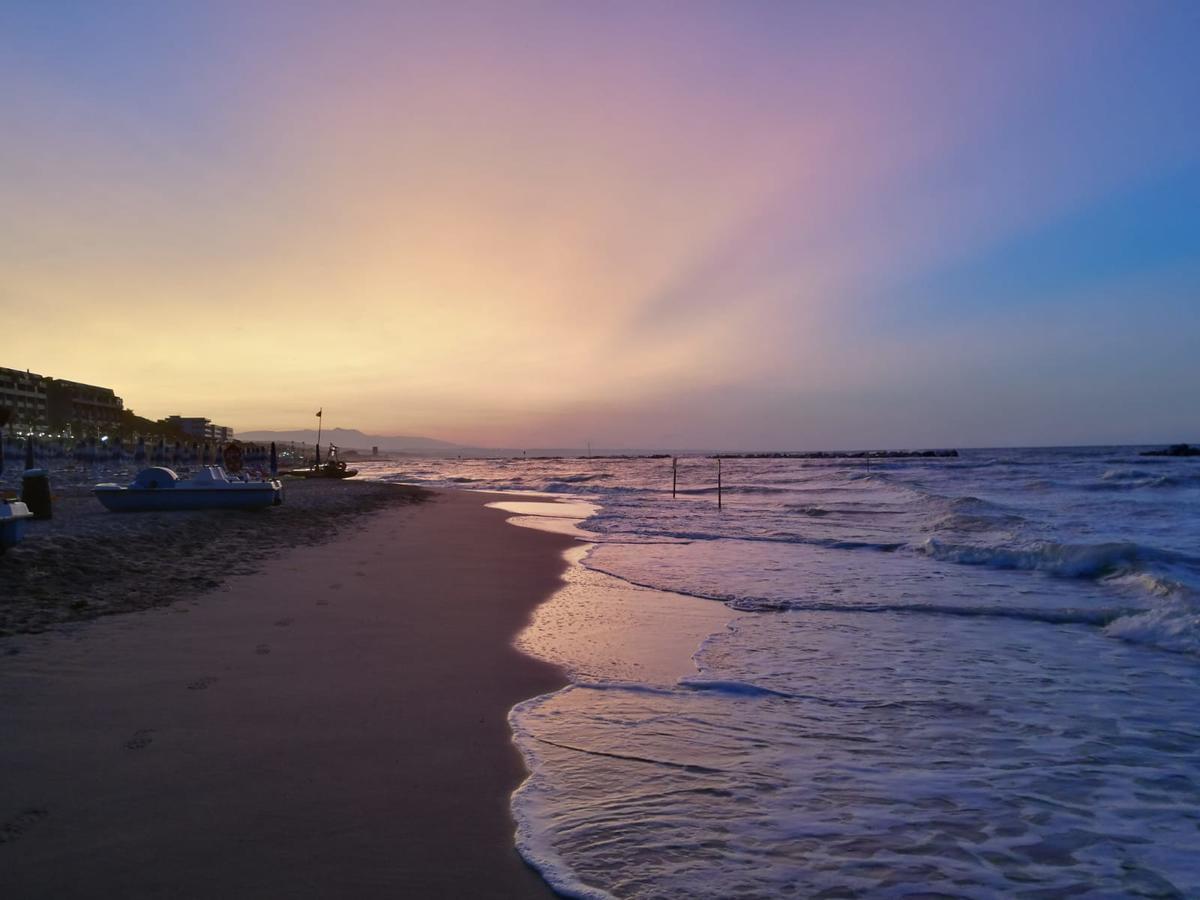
34,452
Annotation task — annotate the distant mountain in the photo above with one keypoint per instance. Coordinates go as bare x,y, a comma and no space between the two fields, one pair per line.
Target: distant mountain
348,438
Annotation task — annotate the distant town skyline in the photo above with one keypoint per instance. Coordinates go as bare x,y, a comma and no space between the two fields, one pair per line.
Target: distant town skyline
746,226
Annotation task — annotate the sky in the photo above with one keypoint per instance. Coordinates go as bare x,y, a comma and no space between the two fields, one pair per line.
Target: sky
664,224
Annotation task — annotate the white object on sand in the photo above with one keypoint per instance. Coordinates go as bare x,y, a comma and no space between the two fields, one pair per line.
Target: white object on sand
13,514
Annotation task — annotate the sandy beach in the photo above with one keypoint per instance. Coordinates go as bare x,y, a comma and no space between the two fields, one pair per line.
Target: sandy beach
85,562
332,724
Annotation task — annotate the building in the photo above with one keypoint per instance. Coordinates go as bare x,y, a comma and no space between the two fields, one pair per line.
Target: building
199,428
41,403
85,407
25,395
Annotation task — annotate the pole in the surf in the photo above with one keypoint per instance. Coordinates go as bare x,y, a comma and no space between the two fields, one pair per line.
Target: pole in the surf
718,482
674,475
274,461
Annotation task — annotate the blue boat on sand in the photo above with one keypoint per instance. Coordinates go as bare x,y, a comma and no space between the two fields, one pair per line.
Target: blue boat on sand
158,488
13,514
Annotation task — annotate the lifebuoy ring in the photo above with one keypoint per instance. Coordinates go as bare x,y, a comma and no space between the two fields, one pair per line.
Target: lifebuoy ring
233,458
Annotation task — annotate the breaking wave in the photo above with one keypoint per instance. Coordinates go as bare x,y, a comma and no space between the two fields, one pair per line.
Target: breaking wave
1063,560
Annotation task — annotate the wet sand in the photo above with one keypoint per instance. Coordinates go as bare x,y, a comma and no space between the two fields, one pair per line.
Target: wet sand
331,726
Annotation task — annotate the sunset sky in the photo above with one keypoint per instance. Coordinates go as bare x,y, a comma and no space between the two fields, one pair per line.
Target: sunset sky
643,224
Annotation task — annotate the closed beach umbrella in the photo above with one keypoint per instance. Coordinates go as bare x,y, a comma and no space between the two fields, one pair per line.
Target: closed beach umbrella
175,455
29,452
139,453
206,456
274,461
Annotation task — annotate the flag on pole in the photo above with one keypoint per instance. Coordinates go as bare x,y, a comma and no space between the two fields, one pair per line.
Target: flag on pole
319,412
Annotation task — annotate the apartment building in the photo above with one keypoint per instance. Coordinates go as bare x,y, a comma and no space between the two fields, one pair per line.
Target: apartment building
25,395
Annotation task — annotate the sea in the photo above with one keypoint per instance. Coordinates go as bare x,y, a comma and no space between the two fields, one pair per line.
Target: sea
969,677
932,677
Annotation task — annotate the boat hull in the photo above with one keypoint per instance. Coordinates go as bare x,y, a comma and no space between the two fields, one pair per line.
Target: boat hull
309,473
120,499
12,524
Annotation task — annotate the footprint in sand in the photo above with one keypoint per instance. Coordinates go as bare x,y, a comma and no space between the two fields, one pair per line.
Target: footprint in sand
284,623
262,649
361,574
322,602
141,739
201,684
16,827
336,586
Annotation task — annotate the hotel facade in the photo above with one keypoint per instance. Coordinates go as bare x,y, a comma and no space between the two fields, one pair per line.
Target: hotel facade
40,403
200,428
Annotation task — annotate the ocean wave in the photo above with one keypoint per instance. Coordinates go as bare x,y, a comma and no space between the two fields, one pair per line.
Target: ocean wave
732,688
807,509
1122,480
1063,560
1154,584
967,522
583,477
685,535
1173,625
1100,616
726,488
1121,475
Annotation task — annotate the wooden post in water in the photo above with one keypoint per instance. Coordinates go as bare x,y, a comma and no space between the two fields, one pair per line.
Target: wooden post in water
718,482
674,475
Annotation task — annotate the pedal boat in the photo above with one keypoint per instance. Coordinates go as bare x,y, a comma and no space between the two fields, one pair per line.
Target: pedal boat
159,488
13,514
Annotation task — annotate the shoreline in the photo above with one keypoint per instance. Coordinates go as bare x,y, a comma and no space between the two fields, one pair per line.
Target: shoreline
335,723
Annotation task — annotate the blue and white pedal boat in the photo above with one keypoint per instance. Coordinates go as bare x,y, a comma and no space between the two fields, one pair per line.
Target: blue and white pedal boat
13,514
159,488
